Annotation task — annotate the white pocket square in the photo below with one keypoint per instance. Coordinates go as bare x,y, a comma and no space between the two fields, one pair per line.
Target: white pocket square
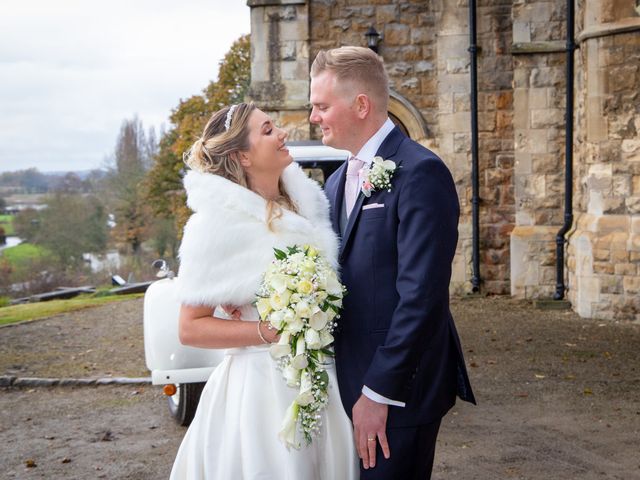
373,205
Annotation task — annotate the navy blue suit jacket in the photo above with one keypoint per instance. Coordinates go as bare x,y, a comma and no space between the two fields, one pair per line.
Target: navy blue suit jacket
396,334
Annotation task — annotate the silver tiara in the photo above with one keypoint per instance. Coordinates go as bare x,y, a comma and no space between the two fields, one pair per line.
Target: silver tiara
227,120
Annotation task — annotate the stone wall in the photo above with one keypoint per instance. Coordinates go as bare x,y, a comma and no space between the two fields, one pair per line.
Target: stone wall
604,249
521,94
539,89
280,62
424,47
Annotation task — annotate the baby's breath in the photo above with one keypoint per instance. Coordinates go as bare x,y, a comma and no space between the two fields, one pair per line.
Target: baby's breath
300,296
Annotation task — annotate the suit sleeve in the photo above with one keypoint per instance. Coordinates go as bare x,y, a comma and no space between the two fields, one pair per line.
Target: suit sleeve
427,235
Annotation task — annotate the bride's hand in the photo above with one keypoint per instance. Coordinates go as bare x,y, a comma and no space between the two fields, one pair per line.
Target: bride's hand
232,311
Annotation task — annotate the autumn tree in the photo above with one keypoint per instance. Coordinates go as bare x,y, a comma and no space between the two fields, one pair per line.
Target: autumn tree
163,183
132,156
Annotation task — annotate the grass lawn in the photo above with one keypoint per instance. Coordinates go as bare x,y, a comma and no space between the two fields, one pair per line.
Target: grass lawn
6,222
34,311
20,255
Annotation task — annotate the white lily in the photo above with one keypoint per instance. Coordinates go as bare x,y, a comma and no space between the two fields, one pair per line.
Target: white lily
303,309
334,287
300,361
291,375
305,397
264,307
295,325
282,348
287,434
277,319
325,338
318,320
279,282
312,337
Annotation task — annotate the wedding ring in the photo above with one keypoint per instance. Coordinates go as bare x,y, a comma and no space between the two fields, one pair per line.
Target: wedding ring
371,439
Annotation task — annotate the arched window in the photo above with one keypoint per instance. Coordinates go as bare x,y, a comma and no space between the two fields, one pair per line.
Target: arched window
407,117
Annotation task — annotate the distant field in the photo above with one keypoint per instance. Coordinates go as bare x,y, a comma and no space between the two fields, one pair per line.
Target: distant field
6,222
20,255
28,198
34,311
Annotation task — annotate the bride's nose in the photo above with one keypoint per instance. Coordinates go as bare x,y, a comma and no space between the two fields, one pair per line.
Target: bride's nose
283,135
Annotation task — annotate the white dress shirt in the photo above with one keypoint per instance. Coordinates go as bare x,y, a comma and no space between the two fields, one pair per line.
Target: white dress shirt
366,154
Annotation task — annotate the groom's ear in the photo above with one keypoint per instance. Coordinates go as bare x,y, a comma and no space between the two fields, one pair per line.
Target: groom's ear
363,106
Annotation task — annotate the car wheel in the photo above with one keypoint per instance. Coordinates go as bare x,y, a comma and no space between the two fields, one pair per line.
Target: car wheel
183,404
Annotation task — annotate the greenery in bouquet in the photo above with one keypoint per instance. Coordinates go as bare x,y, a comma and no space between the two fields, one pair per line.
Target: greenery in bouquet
300,297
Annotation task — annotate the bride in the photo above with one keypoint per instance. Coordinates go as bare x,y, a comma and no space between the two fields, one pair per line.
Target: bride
247,198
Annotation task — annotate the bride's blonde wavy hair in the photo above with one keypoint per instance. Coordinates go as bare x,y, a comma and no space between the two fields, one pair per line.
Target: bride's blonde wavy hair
216,152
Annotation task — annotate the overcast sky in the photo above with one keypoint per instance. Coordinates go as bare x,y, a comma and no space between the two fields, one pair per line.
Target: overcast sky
72,70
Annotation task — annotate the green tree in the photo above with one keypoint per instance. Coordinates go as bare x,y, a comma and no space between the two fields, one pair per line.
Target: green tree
72,225
26,224
163,184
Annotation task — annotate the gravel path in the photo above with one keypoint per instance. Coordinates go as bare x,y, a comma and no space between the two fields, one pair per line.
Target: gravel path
558,398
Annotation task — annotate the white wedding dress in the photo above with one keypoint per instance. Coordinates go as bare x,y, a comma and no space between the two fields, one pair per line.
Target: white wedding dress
234,434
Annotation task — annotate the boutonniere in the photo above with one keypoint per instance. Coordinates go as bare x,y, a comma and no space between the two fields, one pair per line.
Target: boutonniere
377,176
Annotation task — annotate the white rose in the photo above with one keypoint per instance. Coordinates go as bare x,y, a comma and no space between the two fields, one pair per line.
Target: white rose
296,259
305,287
279,301
309,266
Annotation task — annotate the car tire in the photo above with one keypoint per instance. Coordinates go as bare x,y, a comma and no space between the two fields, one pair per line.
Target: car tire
183,404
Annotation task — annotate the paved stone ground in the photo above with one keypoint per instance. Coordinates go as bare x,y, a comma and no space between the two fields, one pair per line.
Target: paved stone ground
558,398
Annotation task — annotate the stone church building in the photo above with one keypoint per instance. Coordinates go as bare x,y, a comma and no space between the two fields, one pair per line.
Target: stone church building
521,100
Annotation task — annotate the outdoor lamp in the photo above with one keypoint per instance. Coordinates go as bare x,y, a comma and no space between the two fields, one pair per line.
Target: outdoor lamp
373,38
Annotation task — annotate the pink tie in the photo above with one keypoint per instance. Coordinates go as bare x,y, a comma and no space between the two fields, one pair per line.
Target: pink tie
352,183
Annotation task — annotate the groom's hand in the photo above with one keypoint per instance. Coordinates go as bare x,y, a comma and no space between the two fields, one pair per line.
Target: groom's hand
369,428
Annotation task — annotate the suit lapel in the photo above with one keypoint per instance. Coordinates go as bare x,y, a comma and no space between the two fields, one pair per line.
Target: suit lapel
336,196
387,150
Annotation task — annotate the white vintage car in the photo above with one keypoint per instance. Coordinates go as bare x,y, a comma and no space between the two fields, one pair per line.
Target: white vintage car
181,369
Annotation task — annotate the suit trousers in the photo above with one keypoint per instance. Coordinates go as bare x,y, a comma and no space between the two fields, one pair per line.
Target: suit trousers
412,453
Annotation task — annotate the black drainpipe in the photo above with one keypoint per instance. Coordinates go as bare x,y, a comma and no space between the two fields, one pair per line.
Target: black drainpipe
475,184
568,153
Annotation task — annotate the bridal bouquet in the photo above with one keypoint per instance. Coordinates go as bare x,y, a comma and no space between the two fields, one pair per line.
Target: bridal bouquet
300,297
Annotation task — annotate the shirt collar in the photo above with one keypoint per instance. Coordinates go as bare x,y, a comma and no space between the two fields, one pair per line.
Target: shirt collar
369,149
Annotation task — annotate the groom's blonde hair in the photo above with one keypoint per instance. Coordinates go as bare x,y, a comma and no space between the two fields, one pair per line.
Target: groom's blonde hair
359,67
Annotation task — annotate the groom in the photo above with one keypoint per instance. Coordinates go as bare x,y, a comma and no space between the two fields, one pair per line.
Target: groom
398,356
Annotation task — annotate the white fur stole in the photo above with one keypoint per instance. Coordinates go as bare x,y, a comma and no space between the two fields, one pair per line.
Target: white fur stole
227,246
